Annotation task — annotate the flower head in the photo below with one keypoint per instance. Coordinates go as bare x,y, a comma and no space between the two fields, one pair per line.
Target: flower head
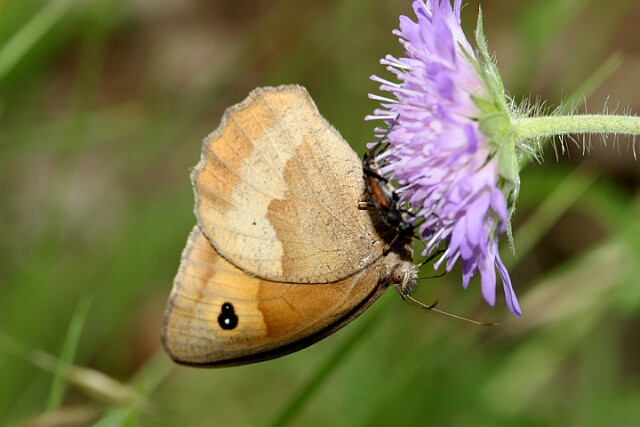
444,146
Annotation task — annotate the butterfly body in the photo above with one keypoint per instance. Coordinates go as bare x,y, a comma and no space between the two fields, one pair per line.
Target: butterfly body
383,195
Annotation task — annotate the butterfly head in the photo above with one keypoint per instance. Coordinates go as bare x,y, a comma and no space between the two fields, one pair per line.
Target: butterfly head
403,274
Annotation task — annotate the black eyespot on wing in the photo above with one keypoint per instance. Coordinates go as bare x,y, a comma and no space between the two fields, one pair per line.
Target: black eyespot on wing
227,318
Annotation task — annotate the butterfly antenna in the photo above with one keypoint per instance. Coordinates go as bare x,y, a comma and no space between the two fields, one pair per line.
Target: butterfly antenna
431,257
432,277
433,308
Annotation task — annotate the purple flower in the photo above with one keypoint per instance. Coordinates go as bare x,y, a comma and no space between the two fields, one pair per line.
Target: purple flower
447,168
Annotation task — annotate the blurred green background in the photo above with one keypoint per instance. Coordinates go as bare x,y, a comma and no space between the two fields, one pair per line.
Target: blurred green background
103,105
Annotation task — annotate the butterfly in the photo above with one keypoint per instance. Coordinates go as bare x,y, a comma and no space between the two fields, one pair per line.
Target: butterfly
281,256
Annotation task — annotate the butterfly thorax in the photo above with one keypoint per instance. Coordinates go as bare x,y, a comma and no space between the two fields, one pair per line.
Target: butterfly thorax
383,195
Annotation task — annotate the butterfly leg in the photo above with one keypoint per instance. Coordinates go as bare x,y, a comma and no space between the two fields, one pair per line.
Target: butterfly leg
363,206
373,172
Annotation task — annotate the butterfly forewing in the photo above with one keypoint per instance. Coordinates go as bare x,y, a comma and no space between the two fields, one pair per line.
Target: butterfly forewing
277,191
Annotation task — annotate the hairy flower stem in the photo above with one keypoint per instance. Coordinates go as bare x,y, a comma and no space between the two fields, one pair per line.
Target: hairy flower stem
536,127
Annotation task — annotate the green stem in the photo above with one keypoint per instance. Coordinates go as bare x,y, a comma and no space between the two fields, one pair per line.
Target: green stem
536,127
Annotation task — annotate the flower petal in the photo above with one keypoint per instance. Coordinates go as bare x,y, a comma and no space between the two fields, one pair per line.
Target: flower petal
509,293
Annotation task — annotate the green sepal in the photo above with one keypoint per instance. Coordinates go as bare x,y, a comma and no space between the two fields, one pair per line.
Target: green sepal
488,69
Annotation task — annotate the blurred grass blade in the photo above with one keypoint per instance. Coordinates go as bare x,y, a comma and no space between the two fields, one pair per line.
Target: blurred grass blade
552,208
69,416
153,372
584,91
322,373
67,355
567,306
104,388
591,84
21,43
94,383
577,291
117,417
146,380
